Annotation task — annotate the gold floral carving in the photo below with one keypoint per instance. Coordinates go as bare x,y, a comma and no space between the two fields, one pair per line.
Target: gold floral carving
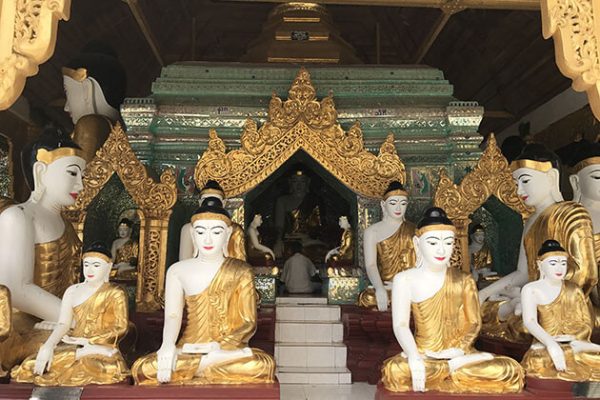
155,200
27,38
490,177
300,123
574,25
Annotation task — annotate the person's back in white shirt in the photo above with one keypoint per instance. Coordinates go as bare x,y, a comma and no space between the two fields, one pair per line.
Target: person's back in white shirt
297,271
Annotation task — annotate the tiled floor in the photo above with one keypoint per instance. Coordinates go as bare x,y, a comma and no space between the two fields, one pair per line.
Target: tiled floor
356,391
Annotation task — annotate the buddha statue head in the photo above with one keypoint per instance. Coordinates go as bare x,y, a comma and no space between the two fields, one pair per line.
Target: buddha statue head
53,166
434,239
395,201
344,224
537,173
585,171
94,83
299,183
257,221
552,260
477,234
211,229
97,263
125,227
211,189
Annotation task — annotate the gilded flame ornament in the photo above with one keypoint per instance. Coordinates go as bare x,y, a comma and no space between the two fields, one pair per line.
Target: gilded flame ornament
490,177
300,123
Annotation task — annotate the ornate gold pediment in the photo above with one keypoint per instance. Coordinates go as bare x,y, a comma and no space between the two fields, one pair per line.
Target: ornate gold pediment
300,123
490,177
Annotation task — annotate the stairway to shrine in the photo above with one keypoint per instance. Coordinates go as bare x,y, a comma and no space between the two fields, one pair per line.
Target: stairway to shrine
308,342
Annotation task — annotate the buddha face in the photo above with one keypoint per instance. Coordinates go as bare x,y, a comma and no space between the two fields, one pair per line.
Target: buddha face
553,268
395,207
211,237
435,247
79,98
61,179
258,220
478,236
299,184
534,187
123,230
587,183
96,269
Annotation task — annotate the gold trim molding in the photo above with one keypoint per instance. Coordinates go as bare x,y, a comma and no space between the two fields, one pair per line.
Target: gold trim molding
28,31
490,177
300,123
574,26
154,199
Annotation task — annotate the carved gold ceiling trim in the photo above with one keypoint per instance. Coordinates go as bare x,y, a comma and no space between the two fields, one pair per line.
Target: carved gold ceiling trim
300,123
28,31
575,27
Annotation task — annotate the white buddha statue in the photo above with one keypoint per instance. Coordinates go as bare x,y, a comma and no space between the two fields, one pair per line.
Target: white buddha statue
220,298
440,354
536,174
556,312
255,247
237,242
39,250
388,247
83,347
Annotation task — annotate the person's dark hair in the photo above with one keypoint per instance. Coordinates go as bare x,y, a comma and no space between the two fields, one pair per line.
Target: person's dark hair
50,139
295,247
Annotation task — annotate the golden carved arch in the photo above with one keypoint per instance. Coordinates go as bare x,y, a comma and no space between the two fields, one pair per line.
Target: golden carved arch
154,199
490,177
28,31
300,123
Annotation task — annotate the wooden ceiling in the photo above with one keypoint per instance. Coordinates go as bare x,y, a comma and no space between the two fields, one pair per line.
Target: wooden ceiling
496,57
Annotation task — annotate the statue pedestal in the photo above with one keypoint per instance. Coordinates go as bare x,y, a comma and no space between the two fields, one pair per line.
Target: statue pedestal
343,289
502,347
384,394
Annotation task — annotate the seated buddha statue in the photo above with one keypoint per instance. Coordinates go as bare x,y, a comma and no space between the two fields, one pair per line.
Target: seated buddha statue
481,255
39,250
124,251
557,313
237,241
343,255
388,247
536,173
94,83
256,250
440,355
220,301
5,320
83,347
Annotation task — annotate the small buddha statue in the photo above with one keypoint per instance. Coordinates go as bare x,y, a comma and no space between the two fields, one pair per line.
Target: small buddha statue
83,347
256,249
388,247
5,320
220,301
440,355
94,83
296,213
536,173
343,255
39,250
481,255
557,313
237,241
124,250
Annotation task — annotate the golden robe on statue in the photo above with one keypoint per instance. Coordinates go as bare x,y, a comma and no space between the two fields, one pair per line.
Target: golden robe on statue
225,312
394,254
103,320
56,267
5,320
482,258
237,243
127,253
568,314
451,319
568,223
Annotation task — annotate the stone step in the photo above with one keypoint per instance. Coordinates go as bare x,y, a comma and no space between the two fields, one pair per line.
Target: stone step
301,300
309,332
314,376
309,312
310,354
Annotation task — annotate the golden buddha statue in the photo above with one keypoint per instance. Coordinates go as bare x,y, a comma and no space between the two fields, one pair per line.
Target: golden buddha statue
39,250
5,320
388,247
536,171
125,251
481,254
89,354
95,84
237,242
220,299
440,355
557,313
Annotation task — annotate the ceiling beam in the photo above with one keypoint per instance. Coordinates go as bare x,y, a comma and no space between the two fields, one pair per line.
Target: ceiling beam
440,23
142,22
478,4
